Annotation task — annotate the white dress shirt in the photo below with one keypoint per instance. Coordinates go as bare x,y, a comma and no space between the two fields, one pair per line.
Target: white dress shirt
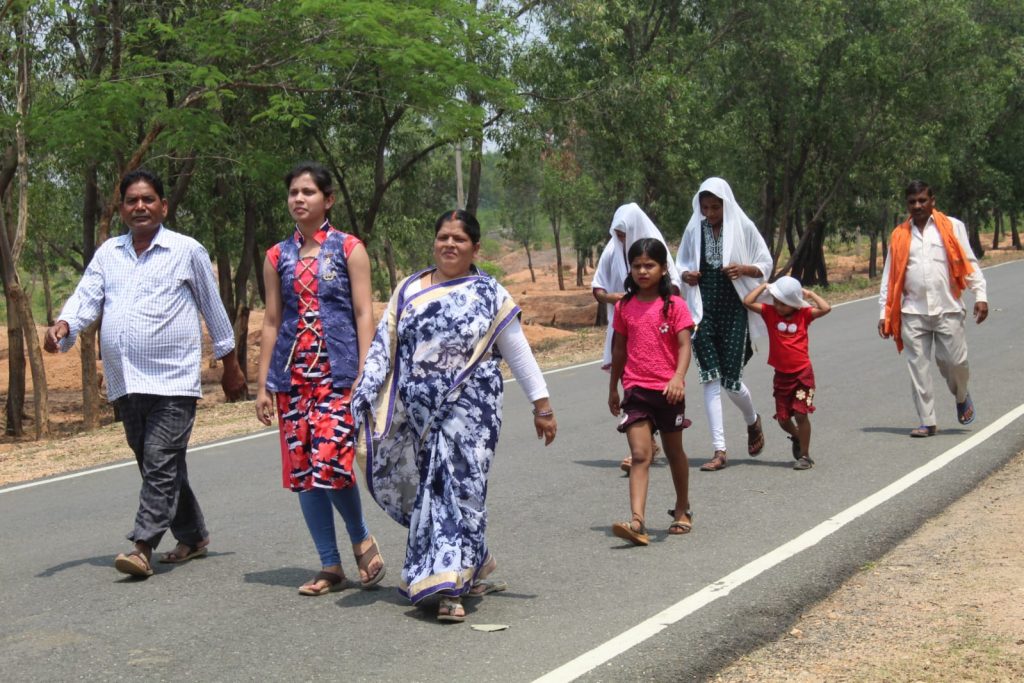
926,285
151,338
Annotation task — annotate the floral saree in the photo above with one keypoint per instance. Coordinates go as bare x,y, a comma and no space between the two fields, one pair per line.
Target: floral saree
429,407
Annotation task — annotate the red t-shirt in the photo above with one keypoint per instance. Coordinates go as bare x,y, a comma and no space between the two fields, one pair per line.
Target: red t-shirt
787,348
652,344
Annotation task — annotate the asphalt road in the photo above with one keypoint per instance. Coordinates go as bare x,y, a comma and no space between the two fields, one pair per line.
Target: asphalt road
767,540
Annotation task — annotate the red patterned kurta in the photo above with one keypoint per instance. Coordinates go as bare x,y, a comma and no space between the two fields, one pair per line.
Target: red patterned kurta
316,427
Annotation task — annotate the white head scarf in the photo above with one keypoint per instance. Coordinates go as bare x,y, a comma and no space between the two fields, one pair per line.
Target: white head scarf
631,220
612,269
741,243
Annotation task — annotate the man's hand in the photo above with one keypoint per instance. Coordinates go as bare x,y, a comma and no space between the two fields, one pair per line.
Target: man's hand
980,312
881,330
54,334
232,381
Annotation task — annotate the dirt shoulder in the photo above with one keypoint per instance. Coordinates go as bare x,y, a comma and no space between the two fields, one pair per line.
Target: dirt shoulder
945,605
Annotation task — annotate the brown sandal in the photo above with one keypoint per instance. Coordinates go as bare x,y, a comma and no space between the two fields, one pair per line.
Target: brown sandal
334,583
637,536
718,462
133,564
365,559
755,438
678,527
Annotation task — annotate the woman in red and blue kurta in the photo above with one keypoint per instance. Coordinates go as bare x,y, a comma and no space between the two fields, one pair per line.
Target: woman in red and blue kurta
317,329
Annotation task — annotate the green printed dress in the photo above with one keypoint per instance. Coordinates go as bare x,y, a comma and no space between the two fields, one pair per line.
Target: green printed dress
721,344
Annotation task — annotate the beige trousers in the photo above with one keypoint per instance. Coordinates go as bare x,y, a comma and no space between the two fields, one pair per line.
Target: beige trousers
947,335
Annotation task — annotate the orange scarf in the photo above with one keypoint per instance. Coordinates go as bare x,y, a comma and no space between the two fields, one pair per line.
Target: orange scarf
899,255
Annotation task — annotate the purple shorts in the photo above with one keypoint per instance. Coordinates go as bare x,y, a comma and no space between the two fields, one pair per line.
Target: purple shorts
639,404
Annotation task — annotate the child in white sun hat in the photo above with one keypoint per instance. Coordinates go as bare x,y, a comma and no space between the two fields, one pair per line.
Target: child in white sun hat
787,319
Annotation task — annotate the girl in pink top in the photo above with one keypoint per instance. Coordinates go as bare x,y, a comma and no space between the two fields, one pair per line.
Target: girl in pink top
650,356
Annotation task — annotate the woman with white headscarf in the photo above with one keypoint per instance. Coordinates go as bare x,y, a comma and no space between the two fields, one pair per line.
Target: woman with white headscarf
722,257
629,224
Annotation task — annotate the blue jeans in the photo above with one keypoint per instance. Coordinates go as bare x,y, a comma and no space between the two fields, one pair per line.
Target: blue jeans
317,508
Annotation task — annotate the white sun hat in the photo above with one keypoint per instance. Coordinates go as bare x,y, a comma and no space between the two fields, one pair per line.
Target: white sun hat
789,291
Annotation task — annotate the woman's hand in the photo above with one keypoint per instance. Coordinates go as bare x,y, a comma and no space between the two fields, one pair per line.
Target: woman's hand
264,406
544,420
546,426
675,390
691,277
734,271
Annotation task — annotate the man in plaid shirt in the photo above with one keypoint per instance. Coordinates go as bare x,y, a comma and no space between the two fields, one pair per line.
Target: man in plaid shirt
150,286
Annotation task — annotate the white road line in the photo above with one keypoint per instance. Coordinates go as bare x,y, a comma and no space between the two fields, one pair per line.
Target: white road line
588,661
107,468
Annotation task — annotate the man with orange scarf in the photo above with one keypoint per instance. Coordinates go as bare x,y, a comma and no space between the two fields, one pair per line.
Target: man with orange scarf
929,265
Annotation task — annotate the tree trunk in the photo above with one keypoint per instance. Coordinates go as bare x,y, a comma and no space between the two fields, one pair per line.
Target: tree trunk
581,266
90,211
809,261
241,328
556,229
220,246
997,227
389,258
91,397
973,237
1013,230
47,294
15,408
529,262
475,170
40,390
11,247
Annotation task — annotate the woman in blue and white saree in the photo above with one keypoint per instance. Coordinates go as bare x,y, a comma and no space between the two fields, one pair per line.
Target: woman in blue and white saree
429,405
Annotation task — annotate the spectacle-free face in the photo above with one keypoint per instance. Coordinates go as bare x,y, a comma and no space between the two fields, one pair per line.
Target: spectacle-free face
306,201
142,210
454,251
646,272
920,206
712,209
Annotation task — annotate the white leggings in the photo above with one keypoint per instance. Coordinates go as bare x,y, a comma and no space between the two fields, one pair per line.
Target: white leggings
713,407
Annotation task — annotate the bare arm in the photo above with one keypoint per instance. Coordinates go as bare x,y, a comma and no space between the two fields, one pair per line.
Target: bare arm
618,365
675,391
268,339
604,297
750,300
821,307
362,300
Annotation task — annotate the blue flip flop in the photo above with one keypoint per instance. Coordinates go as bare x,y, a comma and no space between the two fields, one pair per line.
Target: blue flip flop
963,408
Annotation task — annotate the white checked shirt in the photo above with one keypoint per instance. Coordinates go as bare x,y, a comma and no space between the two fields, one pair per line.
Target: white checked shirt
926,285
151,338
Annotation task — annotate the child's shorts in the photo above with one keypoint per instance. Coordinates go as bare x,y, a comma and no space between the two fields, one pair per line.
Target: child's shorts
794,393
639,404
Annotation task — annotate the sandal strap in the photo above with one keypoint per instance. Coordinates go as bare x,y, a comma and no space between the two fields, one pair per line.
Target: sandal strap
329,577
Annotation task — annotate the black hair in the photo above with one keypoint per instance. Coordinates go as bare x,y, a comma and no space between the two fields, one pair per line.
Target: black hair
917,187
318,172
143,175
655,250
705,194
470,225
